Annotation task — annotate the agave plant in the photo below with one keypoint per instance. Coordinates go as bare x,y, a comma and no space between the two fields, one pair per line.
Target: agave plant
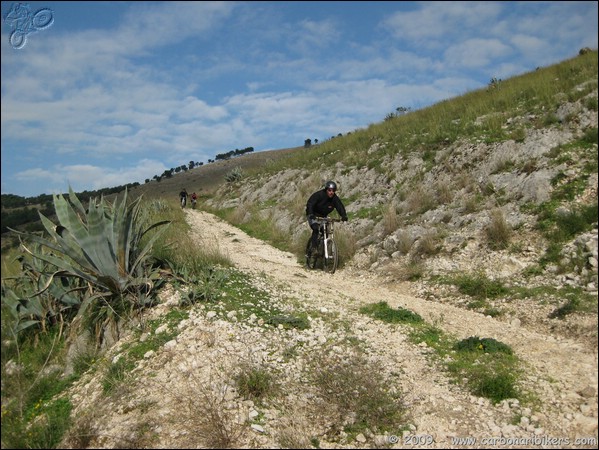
40,295
102,245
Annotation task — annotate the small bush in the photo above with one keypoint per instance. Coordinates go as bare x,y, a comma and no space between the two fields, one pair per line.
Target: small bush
234,174
384,312
427,245
254,383
404,242
572,223
354,386
203,409
571,306
498,231
495,387
479,286
301,323
591,104
116,376
486,345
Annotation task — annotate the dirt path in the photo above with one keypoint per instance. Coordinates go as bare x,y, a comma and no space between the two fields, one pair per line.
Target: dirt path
562,372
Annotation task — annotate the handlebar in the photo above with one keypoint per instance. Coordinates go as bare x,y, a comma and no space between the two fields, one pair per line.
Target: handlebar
327,219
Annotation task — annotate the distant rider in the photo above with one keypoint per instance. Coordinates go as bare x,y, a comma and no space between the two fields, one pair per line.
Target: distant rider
183,197
321,204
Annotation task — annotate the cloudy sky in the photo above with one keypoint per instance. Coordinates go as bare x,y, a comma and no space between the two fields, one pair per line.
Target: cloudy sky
101,94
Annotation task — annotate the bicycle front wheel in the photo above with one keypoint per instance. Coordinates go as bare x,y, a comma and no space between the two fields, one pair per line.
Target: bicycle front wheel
311,256
331,262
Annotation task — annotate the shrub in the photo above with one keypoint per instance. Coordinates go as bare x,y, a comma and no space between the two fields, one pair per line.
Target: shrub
384,312
486,345
234,174
498,231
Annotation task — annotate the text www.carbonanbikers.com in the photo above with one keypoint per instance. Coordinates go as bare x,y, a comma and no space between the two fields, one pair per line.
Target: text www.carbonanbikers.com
526,441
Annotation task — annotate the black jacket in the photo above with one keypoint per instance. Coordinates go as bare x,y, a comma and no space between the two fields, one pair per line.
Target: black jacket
319,204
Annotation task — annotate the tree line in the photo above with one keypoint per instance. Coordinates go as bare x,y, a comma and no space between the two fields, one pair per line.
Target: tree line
185,167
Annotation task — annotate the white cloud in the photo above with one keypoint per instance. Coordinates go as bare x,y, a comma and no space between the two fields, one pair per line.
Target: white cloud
88,177
475,53
175,82
437,20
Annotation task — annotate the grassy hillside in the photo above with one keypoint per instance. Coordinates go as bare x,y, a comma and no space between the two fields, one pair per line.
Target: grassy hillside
506,110
526,145
206,179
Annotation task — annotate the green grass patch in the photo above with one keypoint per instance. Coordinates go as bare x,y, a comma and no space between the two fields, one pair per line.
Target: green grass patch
287,321
477,285
239,293
254,383
485,345
487,367
32,414
384,312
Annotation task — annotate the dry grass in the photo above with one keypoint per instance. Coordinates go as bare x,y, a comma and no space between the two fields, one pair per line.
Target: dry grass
202,418
427,245
444,192
291,435
498,231
254,383
420,200
355,390
390,220
406,269
404,242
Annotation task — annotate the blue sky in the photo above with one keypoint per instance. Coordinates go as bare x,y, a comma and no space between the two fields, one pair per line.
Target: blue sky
110,93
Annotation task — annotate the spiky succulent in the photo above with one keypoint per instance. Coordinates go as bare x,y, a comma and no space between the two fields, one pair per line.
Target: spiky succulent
101,244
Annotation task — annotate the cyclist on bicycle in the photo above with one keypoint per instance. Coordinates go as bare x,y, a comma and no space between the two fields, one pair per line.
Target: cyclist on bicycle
321,204
183,197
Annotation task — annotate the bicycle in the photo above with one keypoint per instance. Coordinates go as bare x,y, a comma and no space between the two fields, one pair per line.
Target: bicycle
326,248
183,201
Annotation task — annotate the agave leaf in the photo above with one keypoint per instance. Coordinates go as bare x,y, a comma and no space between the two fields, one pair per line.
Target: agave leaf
11,300
75,201
23,324
14,304
143,254
61,243
66,266
89,247
24,307
93,240
65,243
101,247
70,220
123,226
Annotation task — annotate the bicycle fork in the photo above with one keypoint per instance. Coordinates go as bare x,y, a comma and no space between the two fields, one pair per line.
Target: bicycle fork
326,247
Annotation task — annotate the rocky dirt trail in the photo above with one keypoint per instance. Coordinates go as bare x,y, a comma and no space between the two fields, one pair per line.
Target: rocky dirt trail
562,372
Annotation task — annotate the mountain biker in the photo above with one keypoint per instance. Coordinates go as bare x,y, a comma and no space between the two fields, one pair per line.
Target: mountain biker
194,199
322,203
183,197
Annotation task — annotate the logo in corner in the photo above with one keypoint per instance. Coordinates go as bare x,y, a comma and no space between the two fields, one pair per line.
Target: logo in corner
24,22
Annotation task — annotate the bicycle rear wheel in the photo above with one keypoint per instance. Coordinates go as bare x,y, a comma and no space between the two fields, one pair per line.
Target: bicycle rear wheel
330,263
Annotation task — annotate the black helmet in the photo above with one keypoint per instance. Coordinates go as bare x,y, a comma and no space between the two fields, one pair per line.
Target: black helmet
331,185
